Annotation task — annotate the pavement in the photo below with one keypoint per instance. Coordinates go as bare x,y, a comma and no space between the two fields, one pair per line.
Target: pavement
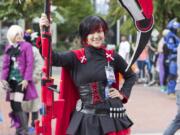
150,110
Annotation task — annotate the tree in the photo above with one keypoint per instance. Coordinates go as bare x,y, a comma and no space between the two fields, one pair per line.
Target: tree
164,11
67,15
12,10
73,12
116,11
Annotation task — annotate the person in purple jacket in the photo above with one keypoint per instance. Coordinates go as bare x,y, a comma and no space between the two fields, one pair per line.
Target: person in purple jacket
17,71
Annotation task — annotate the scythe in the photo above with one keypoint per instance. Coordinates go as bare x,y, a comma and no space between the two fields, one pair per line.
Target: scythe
141,12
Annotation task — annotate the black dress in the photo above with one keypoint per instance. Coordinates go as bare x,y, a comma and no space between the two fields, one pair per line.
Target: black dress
96,114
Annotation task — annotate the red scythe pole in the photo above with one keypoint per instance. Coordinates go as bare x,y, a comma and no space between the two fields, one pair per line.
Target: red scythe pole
50,107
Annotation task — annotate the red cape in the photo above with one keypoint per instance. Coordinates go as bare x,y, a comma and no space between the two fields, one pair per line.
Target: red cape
69,93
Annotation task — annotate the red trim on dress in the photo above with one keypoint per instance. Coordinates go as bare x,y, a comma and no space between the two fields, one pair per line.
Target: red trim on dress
95,94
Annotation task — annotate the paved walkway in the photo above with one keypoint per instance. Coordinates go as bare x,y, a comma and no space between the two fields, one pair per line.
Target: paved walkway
150,110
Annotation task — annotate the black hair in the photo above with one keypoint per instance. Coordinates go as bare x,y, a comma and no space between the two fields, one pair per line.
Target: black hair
90,25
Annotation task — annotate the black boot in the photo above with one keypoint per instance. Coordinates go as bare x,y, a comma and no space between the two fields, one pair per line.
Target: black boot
23,129
34,117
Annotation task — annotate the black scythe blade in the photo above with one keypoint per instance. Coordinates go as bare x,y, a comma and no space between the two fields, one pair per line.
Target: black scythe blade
141,42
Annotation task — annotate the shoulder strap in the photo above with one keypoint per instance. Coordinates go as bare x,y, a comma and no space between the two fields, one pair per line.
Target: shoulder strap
80,54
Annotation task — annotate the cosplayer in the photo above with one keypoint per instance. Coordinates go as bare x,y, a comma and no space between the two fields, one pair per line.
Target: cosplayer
17,71
89,92
99,102
170,51
175,124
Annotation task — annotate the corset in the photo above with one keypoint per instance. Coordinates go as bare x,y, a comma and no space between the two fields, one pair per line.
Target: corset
92,93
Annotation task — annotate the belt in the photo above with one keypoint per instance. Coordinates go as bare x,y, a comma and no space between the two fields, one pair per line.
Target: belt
111,112
95,111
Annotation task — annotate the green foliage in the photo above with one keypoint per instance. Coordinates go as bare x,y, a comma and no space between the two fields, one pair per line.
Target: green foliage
11,10
164,11
73,12
67,15
62,46
116,11
128,27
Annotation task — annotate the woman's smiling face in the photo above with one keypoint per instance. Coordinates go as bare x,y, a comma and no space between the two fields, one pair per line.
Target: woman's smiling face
96,38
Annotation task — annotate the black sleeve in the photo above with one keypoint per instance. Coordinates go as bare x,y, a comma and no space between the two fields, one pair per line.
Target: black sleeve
65,59
128,76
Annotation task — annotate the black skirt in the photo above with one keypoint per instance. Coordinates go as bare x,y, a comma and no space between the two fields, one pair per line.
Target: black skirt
92,124
16,93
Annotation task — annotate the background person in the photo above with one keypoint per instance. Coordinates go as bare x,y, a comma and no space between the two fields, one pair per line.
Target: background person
17,71
124,48
32,107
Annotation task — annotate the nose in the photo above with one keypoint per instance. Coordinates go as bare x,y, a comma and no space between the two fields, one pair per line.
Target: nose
96,36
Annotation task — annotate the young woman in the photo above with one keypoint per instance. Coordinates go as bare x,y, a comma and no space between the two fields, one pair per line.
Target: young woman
99,110
17,71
